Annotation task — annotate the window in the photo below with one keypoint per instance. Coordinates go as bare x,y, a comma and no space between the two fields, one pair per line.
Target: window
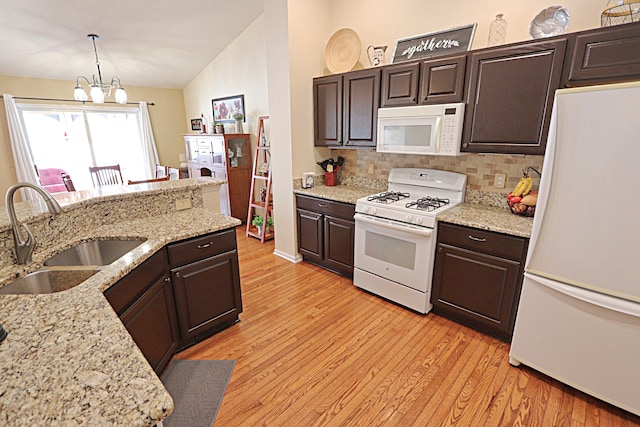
72,139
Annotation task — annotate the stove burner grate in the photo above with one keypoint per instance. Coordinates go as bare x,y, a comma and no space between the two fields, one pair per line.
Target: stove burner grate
388,197
428,203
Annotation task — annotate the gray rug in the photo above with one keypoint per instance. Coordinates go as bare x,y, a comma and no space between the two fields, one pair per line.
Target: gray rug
197,388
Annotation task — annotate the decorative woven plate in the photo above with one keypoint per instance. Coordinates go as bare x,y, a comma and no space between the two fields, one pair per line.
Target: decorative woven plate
342,51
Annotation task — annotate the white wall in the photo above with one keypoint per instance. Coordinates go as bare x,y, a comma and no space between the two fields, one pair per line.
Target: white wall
383,22
239,70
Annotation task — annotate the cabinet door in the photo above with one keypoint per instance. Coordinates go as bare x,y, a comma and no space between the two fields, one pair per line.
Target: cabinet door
327,110
207,295
511,94
361,100
338,244
400,85
442,81
476,289
239,190
310,241
151,322
606,55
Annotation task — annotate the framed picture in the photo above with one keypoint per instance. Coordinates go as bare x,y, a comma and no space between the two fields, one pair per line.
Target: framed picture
437,43
224,109
196,124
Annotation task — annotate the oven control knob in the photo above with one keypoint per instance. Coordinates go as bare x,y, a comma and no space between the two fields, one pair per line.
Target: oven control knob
373,211
409,218
365,209
419,220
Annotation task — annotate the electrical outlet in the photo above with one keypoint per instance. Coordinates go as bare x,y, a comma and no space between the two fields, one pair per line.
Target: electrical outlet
371,168
499,180
182,204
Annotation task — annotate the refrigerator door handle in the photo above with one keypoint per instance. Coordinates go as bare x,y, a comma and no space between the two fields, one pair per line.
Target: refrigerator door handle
592,297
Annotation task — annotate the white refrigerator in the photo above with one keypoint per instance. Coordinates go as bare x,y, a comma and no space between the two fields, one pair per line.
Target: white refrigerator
579,314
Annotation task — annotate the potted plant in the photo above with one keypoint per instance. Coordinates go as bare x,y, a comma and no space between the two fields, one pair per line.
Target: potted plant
238,117
258,222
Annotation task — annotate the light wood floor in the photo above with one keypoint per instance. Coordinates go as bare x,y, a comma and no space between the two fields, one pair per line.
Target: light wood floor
312,349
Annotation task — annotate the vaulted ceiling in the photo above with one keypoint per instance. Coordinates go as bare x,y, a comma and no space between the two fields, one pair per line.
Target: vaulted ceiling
156,43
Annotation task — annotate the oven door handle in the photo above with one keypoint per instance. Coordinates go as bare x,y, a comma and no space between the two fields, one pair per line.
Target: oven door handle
394,225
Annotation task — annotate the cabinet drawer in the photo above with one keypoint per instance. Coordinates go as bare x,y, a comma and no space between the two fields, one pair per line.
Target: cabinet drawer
487,242
339,209
128,289
202,247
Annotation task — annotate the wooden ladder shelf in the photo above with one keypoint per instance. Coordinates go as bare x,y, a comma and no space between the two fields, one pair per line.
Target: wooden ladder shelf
260,200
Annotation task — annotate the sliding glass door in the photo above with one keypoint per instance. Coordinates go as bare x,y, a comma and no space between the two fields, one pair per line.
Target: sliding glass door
73,139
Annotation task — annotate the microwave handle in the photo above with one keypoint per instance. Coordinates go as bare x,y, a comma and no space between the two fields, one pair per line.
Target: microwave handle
437,134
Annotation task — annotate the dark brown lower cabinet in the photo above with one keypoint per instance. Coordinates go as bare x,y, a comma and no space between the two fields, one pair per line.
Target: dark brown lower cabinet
151,322
326,231
167,310
143,300
207,296
206,284
478,277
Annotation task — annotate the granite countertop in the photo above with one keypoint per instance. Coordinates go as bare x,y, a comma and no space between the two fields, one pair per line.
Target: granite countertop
33,208
478,215
491,218
68,359
348,192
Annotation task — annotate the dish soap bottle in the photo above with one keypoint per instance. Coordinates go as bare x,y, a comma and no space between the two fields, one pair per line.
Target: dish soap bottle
498,31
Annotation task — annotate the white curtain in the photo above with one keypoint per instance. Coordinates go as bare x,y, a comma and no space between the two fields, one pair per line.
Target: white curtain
22,157
148,142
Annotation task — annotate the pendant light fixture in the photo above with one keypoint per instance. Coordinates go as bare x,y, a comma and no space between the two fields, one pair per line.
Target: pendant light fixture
97,89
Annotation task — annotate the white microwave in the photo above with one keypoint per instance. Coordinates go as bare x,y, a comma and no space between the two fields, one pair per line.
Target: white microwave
422,129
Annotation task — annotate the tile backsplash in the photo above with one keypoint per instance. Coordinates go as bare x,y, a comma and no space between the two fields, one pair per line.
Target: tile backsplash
479,168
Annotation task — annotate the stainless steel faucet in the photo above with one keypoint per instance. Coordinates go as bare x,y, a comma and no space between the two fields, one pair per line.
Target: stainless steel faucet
24,248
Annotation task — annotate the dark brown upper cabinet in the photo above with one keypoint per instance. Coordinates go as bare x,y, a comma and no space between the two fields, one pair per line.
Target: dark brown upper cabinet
327,111
442,81
511,92
361,99
430,81
346,109
605,55
400,84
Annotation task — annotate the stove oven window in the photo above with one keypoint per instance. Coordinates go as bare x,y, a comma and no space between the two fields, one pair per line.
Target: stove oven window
390,250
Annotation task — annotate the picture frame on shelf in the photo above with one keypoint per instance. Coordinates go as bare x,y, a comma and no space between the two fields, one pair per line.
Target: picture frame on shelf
225,108
436,43
196,124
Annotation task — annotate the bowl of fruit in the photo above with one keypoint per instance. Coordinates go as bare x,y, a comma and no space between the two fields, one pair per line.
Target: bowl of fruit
523,199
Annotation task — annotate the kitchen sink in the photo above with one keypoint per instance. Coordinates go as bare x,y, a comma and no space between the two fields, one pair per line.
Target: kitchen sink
95,252
45,281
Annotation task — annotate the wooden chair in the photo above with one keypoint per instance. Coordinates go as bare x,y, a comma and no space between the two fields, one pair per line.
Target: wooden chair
173,173
144,181
162,171
66,179
106,175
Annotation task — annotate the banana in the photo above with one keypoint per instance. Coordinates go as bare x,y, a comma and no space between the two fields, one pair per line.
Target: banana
520,186
528,186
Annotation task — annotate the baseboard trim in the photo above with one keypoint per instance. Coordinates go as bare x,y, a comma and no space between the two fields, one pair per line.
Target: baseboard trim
292,258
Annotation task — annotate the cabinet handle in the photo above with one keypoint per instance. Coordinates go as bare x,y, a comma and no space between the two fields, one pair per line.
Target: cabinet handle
205,246
168,279
477,239
322,205
177,274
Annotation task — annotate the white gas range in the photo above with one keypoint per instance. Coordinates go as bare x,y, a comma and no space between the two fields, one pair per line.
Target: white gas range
395,235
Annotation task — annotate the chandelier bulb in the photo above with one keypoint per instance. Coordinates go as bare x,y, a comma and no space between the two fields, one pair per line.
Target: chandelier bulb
97,95
121,95
79,94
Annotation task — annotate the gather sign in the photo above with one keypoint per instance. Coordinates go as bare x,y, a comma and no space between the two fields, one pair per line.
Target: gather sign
437,43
